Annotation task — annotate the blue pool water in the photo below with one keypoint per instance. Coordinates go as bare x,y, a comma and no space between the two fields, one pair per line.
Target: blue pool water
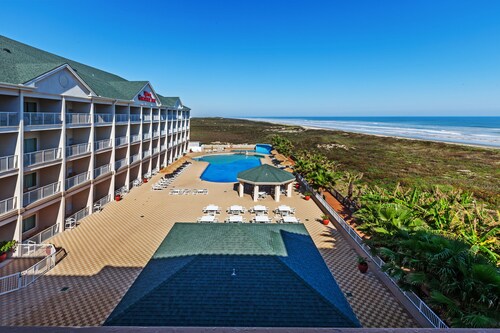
263,148
225,168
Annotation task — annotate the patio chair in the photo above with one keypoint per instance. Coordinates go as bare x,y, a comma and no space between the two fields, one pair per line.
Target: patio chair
69,223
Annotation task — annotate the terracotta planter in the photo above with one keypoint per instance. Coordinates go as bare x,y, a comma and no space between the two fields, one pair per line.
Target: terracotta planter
297,186
325,222
118,197
363,268
307,197
3,256
145,180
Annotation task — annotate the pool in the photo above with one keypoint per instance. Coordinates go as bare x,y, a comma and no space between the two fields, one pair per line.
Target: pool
225,168
263,148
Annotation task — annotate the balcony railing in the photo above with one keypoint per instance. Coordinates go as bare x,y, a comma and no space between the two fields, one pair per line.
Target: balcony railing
8,163
156,117
77,180
135,138
78,119
163,132
9,119
76,217
146,117
42,118
7,205
40,193
163,147
163,117
156,150
146,153
120,163
135,117
121,118
156,133
146,136
43,235
102,170
79,149
134,158
101,118
121,141
42,156
102,202
102,144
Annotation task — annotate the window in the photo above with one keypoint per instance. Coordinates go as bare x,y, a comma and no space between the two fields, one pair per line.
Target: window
30,145
29,223
30,180
30,107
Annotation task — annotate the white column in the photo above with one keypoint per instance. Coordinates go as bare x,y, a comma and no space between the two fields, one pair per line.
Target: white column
18,233
240,190
255,192
289,190
277,190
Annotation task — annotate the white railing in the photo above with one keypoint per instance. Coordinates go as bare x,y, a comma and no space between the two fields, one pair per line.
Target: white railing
76,217
99,204
121,141
146,153
22,279
43,235
135,138
81,148
146,117
9,119
120,163
42,118
102,144
156,133
156,150
134,158
146,136
78,119
102,170
135,117
8,205
419,304
42,156
40,193
163,147
77,180
163,132
100,118
163,117
121,118
8,163
156,117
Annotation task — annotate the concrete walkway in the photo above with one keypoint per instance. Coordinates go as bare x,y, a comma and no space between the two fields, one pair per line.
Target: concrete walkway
108,250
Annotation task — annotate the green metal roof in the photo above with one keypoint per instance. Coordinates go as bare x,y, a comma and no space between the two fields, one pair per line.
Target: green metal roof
239,275
22,63
265,174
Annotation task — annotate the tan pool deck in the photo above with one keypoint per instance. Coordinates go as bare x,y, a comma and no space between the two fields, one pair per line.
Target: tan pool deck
108,250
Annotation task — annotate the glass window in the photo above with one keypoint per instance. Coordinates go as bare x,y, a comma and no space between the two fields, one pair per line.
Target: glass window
29,145
29,223
30,180
30,107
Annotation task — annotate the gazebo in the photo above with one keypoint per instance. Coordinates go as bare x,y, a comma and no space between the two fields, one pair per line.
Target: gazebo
266,174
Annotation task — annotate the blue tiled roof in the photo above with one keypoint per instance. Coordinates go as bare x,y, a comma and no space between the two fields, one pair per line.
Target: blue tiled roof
279,280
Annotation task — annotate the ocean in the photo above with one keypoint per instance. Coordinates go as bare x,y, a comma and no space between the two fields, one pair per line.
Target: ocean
481,131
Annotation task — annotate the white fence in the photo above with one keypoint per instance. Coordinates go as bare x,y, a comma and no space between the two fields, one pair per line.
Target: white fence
43,235
7,205
42,156
8,163
22,279
420,305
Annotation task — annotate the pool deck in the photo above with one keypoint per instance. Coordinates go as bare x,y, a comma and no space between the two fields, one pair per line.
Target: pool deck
108,250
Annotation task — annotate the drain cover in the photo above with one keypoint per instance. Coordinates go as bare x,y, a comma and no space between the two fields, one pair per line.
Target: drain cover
64,288
348,294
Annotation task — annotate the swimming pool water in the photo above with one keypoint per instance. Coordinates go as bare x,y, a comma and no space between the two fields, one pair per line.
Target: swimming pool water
263,148
225,168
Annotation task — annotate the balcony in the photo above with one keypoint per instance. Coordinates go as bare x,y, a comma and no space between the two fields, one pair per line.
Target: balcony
78,119
8,205
42,156
135,118
102,170
76,217
134,158
135,138
121,118
9,119
156,150
163,147
163,117
103,118
121,141
77,180
146,117
156,117
156,134
42,119
120,163
40,193
8,163
79,149
163,132
146,136
102,144
146,153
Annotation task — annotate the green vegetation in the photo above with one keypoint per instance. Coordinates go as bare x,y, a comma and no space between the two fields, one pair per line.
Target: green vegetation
6,246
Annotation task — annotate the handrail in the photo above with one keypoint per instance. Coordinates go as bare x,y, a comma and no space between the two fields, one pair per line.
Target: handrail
43,235
135,138
78,118
78,149
102,144
42,156
8,205
146,136
42,118
135,117
121,140
121,118
40,193
9,119
8,163
102,170
146,117
102,202
120,163
134,158
146,153
76,217
419,304
100,118
78,179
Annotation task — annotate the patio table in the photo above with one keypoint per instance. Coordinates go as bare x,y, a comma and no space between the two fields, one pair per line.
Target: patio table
262,219
236,219
207,218
290,219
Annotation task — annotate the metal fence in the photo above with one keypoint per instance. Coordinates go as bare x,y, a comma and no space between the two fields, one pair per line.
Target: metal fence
8,163
121,118
7,205
42,118
78,179
102,144
100,118
78,149
42,156
102,170
22,279
78,118
419,304
40,193
9,119
43,235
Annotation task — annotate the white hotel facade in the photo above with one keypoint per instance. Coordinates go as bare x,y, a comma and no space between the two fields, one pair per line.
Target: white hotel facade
71,136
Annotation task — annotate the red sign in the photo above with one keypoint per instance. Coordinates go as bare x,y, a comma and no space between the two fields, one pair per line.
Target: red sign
147,97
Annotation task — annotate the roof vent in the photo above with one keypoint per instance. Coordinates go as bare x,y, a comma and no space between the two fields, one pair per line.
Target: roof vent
234,272
6,50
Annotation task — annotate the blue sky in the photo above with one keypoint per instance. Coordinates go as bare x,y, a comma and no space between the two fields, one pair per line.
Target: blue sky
284,58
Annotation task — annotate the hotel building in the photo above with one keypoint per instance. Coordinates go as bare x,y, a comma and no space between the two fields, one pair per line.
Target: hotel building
72,136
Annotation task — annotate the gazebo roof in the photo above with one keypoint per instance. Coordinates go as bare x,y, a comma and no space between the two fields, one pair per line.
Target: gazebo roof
265,174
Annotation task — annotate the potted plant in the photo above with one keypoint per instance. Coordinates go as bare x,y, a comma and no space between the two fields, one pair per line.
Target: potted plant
5,247
362,264
325,219
307,195
144,180
118,197
297,186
